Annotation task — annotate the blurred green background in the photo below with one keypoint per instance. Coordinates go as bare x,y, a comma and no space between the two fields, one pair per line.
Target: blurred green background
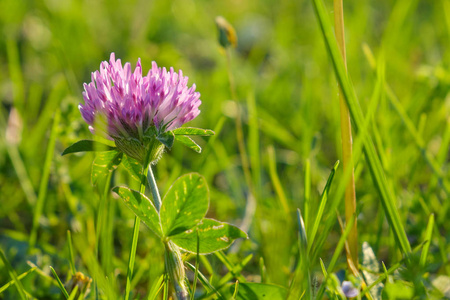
288,97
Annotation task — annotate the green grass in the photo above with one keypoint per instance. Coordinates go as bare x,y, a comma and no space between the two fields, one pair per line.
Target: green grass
277,138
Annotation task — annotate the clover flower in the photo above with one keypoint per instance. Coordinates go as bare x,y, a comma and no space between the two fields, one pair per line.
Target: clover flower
138,111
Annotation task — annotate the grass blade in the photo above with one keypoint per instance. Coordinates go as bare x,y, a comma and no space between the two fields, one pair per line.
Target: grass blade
300,287
428,235
335,257
276,181
44,180
376,169
60,284
236,289
197,259
346,136
71,256
73,294
7,285
156,288
323,202
204,281
13,275
307,203
382,277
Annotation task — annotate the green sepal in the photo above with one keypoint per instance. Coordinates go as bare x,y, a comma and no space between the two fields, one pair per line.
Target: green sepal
166,138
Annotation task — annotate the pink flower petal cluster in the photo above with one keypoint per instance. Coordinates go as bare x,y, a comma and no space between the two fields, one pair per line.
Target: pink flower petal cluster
125,104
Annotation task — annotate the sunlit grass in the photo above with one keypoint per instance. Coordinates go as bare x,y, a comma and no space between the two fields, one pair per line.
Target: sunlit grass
277,139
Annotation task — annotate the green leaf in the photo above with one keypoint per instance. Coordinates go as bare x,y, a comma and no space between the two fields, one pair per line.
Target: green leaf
257,291
185,204
167,138
213,236
142,207
188,142
87,145
193,131
104,163
133,167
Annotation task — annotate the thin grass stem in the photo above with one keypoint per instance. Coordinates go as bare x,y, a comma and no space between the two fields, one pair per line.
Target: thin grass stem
276,181
60,284
376,169
71,256
44,181
335,256
346,135
251,201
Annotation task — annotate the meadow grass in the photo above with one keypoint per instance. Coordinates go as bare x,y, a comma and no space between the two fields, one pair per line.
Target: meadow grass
274,166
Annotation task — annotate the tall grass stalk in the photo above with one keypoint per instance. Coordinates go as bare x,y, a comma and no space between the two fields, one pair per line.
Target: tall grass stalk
101,231
44,180
376,169
337,252
346,135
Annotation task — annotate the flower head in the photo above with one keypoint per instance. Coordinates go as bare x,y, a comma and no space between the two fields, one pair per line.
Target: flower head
134,110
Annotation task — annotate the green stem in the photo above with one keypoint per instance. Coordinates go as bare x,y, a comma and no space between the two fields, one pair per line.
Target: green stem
154,187
135,239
